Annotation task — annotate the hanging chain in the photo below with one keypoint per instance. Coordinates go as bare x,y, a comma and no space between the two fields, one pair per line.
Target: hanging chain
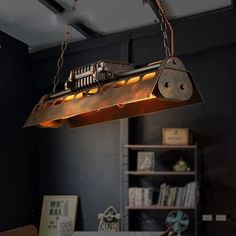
165,26
164,23
164,29
64,45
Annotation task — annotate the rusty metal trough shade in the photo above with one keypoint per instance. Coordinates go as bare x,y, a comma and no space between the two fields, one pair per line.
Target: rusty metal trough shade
168,86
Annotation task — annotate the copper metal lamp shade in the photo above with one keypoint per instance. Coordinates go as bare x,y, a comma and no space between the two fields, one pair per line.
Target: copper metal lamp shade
158,87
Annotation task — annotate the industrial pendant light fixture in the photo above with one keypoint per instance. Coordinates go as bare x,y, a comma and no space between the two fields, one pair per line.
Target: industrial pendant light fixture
109,90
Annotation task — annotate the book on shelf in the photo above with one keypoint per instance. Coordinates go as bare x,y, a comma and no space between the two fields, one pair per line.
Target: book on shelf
131,194
146,161
148,194
140,196
177,196
161,194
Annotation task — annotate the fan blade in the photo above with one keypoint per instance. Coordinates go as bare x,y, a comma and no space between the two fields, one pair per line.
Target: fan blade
176,227
184,222
170,219
179,215
178,234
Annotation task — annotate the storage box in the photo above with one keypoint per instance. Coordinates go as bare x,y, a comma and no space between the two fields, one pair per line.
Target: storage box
175,136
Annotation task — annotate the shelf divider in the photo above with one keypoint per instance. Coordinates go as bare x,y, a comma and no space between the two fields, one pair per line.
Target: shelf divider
141,146
155,207
143,173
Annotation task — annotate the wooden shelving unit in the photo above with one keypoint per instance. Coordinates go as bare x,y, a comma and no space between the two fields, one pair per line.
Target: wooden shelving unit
141,146
155,207
141,173
164,173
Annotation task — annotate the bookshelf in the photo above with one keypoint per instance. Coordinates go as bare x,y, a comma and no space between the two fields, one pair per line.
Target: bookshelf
155,207
159,173
134,215
151,147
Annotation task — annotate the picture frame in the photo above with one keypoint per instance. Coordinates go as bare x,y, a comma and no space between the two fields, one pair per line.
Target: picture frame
146,161
58,215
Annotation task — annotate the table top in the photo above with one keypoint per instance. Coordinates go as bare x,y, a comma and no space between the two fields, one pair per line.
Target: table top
77,233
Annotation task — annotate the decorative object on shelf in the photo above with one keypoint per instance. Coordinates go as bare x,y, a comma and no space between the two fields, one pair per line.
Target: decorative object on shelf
175,136
58,215
109,220
109,90
177,222
181,166
146,161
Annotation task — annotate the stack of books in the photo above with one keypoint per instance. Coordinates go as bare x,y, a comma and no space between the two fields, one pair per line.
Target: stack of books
177,196
140,196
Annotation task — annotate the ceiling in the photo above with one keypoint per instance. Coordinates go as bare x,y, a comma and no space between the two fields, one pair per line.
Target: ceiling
40,28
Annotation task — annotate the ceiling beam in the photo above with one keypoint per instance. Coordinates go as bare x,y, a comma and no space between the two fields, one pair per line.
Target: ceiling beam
86,31
54,6
192,34
57,8
154,7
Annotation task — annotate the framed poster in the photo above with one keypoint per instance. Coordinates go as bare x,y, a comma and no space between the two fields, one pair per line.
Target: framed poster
146,161
58,215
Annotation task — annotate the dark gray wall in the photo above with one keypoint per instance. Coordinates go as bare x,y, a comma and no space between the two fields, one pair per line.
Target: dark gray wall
17,155
85,161
82,161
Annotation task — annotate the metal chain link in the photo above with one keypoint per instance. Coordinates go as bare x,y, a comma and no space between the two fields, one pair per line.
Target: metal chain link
165,35
165,26
64,46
